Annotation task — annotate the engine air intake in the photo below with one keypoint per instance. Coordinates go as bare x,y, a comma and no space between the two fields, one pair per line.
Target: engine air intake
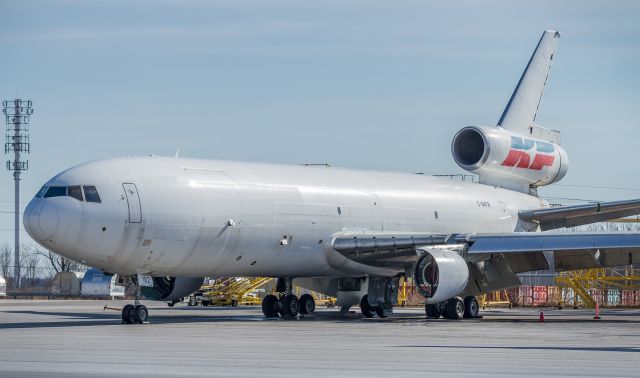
440,274
469,148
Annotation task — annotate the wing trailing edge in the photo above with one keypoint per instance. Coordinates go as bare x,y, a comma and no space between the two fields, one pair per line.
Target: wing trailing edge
523,251
579,215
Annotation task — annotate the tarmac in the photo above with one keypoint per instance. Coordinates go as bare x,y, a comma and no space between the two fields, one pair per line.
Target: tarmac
80,339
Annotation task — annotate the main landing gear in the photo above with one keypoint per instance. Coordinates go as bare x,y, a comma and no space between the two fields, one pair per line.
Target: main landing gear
369,311
454,308
287,305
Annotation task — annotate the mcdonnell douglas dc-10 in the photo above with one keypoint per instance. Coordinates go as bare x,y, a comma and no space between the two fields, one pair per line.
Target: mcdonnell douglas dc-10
163,223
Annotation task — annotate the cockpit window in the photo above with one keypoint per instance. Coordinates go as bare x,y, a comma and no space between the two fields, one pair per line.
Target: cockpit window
91,194
75,192
56,191
41,192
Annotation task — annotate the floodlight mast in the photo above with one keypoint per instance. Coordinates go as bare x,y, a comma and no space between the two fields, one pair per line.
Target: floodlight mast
17,113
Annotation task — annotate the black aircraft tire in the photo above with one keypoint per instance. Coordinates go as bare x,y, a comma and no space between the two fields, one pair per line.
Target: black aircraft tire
307,304
433,310
454,309
380,312
127,313
471,307
365,307
140,314
290,306
270,306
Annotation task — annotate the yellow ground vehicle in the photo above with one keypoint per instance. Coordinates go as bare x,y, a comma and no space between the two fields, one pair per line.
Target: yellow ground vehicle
233,291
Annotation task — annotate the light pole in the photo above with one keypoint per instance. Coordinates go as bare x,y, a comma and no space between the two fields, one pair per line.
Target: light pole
17,113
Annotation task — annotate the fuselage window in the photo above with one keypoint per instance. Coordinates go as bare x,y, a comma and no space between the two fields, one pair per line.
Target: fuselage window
91,194
41,192
56,191
75,192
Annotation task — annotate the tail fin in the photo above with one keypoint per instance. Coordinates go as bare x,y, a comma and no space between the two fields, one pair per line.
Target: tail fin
520,114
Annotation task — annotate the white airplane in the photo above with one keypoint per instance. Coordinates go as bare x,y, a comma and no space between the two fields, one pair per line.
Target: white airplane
162,224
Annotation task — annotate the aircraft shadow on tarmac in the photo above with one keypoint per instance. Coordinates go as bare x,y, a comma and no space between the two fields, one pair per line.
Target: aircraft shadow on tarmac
212,315
558,348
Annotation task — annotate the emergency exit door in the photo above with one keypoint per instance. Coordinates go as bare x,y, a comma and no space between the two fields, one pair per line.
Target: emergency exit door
133,202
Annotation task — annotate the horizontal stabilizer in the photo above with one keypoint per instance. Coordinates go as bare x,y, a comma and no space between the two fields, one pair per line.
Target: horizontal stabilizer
578,215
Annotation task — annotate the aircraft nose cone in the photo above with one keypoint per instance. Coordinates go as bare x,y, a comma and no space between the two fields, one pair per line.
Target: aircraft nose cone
30,219
41,220
48,220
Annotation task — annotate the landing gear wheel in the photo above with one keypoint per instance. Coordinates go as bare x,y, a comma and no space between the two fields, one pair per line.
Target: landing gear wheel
205,303
290,306
454,309
433,311
234,303
367,310
307,304
140,314
379,311
270,306
127,311
471,307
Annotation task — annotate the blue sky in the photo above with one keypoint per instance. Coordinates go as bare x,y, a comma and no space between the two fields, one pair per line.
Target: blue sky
363,84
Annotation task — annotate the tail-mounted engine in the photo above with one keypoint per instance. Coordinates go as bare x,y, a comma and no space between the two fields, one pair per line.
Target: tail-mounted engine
440,274
500,156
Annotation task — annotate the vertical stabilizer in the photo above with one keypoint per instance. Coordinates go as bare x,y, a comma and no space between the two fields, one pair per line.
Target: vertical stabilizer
520,114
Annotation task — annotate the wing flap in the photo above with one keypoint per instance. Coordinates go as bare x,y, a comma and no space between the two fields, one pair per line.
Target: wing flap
578,215
384,249
571,250
523,251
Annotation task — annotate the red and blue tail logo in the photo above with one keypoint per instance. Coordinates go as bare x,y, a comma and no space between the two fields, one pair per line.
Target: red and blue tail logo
519,156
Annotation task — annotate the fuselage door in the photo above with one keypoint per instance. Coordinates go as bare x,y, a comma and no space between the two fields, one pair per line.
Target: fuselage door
133,201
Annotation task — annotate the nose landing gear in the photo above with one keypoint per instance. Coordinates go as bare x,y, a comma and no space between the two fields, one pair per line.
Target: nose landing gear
136,313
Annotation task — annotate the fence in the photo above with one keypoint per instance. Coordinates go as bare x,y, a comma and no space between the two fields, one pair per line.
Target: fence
556,296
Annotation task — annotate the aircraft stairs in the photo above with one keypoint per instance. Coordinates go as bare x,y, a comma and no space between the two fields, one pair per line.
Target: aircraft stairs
589,283
232,291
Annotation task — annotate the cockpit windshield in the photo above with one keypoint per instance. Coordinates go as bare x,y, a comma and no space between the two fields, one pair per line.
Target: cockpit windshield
56,191
41,192
75,192
91,193
87,193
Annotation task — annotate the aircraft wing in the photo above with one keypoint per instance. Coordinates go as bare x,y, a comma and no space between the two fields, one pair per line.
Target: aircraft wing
522,251
578,215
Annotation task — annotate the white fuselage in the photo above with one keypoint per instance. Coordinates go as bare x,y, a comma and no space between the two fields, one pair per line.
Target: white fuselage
219,218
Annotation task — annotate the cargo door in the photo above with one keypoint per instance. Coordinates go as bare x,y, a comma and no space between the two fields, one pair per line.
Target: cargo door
133,202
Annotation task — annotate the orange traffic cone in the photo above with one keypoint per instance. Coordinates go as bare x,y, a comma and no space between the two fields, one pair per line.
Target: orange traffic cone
541,316
597,317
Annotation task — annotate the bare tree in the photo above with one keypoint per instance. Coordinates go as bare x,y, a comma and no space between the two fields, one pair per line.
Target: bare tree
5,260
58,263
29,267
